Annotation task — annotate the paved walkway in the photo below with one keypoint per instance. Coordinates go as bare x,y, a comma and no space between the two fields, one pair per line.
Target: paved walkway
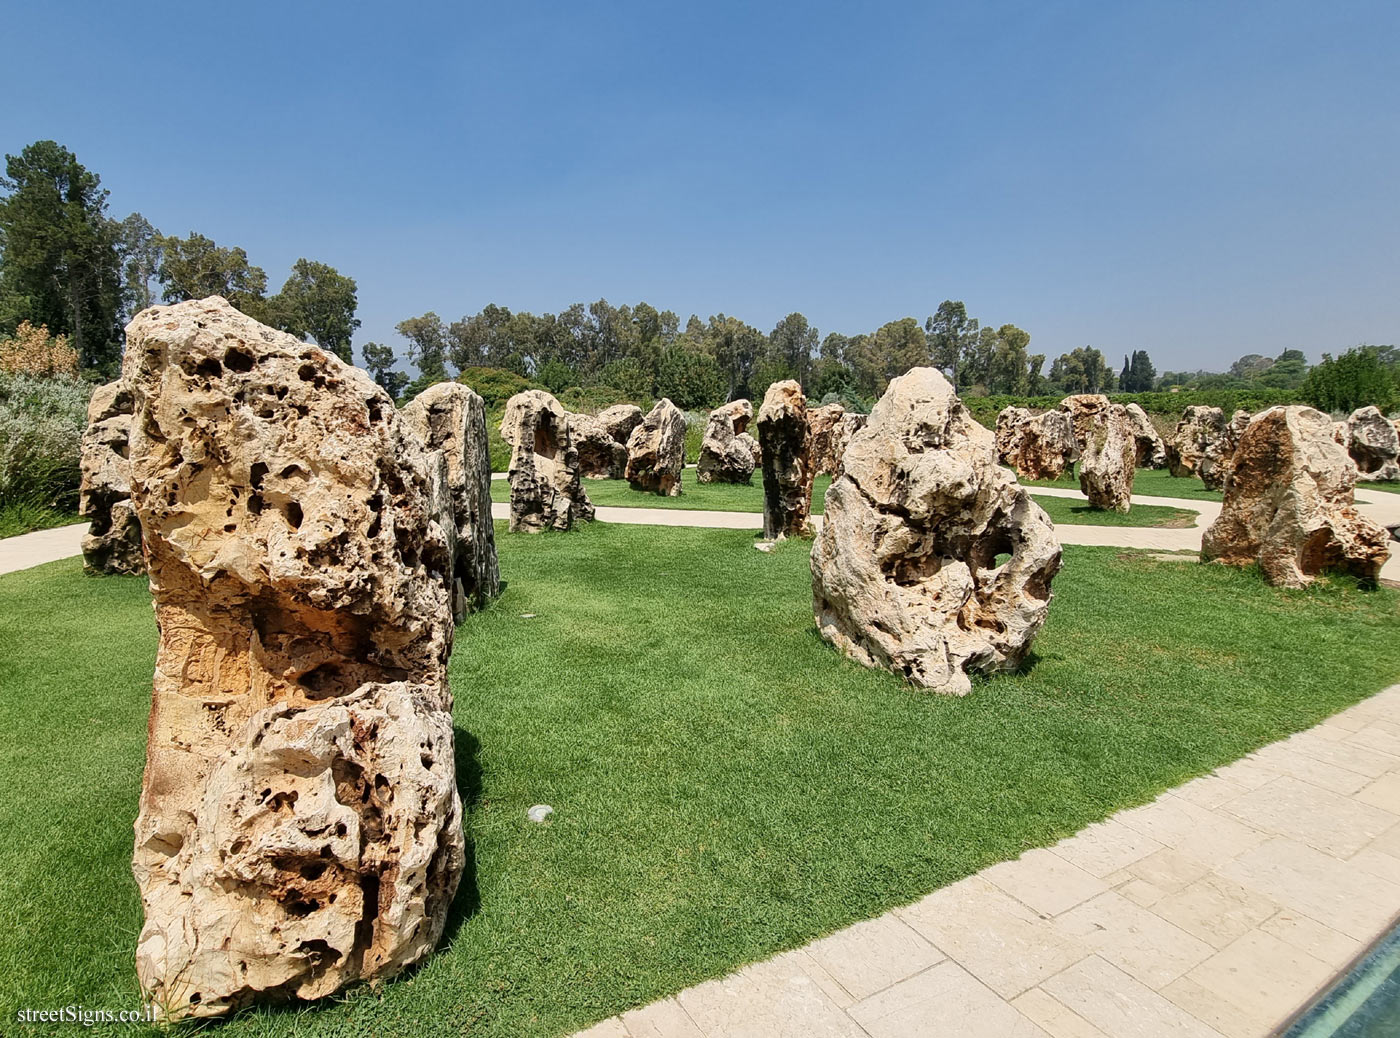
1218,909
34,549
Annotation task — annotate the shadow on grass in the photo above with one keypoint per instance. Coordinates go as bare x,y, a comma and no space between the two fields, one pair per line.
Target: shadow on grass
468,900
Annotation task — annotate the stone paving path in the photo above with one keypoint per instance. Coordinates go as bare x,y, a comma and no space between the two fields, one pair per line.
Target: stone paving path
1218,909
34,549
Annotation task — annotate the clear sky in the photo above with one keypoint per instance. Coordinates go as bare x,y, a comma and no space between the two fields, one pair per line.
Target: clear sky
1199,179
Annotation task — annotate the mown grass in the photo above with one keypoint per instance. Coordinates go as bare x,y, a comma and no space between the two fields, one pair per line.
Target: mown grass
725,785
732,497
1388,488
1146,483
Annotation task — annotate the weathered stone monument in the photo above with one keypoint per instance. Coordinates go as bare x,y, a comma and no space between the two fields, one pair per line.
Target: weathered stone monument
451,418
1373,443
1289,504
1103,434
785,441
827,429
932,561
113,541
545,490
1198,429
602,440
656,451
1010,422
1041,446
1151,451
299,825
728,454
1216,462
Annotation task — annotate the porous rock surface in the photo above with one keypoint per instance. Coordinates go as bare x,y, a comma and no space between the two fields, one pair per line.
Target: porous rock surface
785,444
827,446
1042,446
602,440
112,543
451,418
1215,464
1151,450
299,825
656,451
728,454
1104,436
932,561
1010,423
1199,427
1289,504
1374,444
545,490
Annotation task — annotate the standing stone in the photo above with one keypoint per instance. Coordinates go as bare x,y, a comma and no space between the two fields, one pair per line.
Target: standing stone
1289,504
1011,422
113,541
299,826
1043,447
602,440
785,442
1374,445
1215,464
826,427
1103,433
728,454
932,562
545,490
451,418
1151,451
656,451
1198,429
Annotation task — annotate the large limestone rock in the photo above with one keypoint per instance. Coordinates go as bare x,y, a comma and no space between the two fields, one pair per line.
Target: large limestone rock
932,562
1374,444
1151,451
1104,435
299,825
785,443
1043,446
825,425
656,451
1011,422
602,440
451,418
1215,464
113,541
1198,429
728,454
1289,504
545,490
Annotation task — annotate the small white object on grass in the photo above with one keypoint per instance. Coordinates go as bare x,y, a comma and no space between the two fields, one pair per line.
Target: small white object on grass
765,545
527,616
539,813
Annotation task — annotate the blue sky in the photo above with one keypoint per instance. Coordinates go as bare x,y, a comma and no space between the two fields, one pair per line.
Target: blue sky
1201,180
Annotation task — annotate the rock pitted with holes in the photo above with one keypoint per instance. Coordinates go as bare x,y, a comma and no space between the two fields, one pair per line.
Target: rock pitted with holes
656,451
299,825
113,541
932,561
728,454
545,490
785,442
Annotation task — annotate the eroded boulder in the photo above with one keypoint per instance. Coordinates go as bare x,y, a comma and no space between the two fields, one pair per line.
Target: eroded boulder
1216,462
1151,450
545,490
932,561
299,825
1373,443
785,445
113,541
1198,429
728,454
1011,423
1289,504
1104,436
451,418
602,440
1043,446
656,451
826,426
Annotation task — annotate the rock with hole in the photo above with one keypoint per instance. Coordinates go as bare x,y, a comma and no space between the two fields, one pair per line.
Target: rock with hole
728,454
602,440
299,826
1199,427
112,543
545,490
1373,442
1107,445
785,442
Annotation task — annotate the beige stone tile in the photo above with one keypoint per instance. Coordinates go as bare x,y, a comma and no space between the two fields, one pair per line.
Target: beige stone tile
1222,1014
1000,941
1135,939
1210,791
944,1000
1215,909
1307,934
664,1019
1045,882
1388,842
840,997
610,1028
1168,870
1347,721
1055,1019
1378,863
1294,763
1312,815
1264,978
1120,1006
1141,892
1247,772
872,955
1383,706
1209,837
1316,884
1106,847
773,999
1384,793
1346,754
1379,735
1335,732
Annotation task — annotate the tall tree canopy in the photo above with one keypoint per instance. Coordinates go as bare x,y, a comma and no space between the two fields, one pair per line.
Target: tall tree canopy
319,302
195,267
59,265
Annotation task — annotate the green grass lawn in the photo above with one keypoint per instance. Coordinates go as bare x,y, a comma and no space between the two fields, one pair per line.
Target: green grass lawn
725,785
1388,488
731,497
1147,483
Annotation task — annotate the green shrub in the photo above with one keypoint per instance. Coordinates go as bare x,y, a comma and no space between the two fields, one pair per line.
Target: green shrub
495,385
1169,405
41,430
1355,379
